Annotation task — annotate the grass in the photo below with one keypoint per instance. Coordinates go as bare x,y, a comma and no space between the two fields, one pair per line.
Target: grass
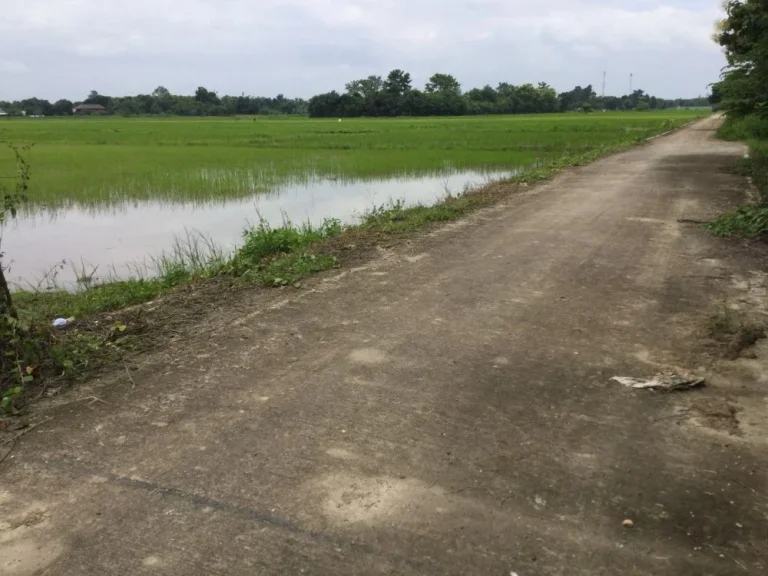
107,331
750,220
98,161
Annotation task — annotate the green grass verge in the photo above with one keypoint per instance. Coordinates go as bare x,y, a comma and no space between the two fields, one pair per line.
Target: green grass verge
750,220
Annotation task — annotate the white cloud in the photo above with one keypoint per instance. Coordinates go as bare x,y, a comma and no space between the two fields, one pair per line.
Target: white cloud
304,46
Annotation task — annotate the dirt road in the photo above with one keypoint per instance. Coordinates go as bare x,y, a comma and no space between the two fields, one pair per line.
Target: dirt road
446,408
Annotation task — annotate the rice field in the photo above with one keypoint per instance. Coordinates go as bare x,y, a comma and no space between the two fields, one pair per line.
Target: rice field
110,160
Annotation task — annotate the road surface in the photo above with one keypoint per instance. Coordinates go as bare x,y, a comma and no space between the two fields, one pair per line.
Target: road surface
445,408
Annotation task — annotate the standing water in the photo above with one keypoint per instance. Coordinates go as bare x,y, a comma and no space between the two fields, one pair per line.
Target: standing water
115,240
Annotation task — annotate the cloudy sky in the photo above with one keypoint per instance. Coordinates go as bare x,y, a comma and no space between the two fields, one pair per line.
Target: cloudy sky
65,48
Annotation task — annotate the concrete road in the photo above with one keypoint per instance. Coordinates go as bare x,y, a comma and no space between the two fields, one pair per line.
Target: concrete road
444,409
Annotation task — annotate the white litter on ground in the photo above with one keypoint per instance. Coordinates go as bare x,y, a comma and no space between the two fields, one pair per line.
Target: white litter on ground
665,382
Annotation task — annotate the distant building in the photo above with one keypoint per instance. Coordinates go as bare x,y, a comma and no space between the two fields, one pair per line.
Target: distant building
82,109
3,113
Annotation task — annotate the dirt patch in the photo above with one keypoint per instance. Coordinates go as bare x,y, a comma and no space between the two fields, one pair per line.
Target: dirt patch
743,341
716,414
734,333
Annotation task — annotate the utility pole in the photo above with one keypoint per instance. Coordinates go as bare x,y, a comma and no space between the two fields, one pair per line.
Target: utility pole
631,78
603,84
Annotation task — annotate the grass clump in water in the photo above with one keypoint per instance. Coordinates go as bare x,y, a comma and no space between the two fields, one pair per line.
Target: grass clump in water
282,255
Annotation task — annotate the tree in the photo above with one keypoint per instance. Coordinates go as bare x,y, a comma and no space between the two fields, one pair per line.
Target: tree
161,93
397,82
443,84
509,98
416,103
743,34
576,98
527,99
366,88
546,98
96,98
62,108
205,96
325,105
36,106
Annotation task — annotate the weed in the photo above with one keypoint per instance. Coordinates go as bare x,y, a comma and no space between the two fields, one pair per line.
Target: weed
293,267
264,242
750,221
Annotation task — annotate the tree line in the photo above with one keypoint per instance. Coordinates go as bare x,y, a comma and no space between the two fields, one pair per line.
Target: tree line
442,96
372,96
161,102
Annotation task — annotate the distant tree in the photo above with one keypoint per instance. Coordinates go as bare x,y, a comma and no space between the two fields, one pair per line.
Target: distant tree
611,103
527,99
62,108
36,106
397,82
484,100
484,94
325,105
716,96
443,83
576,98
161,93
96,98
205,96
546,98
366,88
416,103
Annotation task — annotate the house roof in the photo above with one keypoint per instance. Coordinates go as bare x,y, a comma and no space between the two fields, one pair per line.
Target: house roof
89,107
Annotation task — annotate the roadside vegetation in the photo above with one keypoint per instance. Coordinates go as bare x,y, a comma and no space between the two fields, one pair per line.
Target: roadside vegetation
743,95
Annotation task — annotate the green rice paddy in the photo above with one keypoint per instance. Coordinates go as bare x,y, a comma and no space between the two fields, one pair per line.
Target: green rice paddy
101,161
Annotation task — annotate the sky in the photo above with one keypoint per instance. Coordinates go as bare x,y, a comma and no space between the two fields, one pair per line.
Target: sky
65,48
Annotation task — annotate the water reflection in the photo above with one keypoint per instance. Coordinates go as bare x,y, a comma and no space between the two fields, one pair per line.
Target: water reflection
115,237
